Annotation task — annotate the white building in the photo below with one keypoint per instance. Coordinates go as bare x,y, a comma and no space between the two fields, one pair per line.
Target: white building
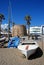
36,30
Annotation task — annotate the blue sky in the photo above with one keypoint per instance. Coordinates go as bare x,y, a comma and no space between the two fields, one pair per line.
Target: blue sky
21,8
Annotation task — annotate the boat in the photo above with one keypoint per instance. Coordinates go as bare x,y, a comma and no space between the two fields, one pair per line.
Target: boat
2,39
28,47
13,42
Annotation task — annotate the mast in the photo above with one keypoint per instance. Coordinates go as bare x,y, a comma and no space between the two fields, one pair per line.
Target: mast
9,19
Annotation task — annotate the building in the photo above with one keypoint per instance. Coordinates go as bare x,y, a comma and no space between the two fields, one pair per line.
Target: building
38,30
19,30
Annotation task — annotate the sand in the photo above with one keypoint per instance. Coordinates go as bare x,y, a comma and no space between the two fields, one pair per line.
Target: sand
12,56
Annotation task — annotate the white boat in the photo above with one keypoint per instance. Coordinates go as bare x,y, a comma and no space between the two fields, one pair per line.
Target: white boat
28,47
2,39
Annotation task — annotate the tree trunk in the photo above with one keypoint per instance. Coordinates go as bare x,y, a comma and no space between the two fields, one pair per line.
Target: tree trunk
28,32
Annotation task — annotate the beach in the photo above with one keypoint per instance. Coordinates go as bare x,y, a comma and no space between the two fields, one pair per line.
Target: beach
12,56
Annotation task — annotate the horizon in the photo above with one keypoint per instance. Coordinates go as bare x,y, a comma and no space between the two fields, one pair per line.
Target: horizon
21,8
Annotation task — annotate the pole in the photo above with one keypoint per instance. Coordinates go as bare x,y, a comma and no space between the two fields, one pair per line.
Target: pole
0,29
42,42
42,36
28,32
8,30
9,15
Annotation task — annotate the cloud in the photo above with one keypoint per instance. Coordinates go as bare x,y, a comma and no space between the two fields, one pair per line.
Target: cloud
4,26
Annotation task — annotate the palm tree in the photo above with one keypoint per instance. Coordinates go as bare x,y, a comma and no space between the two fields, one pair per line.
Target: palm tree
28,19
1,18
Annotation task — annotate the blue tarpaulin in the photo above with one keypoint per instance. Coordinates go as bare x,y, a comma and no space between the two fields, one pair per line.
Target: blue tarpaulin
14,42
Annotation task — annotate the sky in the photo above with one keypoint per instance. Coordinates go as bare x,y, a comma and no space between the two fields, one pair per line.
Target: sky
21,8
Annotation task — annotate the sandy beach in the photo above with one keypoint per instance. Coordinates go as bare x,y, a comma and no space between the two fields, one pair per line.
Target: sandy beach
12,56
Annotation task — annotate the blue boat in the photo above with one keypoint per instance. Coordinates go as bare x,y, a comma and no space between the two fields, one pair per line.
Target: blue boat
14,42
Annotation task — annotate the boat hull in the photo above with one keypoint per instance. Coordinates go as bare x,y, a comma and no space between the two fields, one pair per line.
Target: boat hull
28,49
2,39
27,53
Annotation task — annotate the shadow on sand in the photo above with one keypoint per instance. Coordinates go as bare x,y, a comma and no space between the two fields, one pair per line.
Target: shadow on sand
37,54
